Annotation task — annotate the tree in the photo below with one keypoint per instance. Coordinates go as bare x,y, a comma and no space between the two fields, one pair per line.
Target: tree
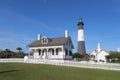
2,54
113,57
20,54
5,53
19,49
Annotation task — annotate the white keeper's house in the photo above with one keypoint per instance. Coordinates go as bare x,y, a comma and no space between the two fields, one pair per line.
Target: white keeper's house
52,48
99,55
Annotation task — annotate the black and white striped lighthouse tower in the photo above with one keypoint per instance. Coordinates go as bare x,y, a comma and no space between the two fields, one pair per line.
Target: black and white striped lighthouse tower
81,43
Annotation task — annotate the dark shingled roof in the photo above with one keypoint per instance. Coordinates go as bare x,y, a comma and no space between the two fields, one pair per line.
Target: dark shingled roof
52,42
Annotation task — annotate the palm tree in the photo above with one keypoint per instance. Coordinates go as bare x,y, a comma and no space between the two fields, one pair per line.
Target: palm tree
19,49
7,52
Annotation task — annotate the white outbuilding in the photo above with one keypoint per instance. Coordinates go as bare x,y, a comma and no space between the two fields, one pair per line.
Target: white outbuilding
98,55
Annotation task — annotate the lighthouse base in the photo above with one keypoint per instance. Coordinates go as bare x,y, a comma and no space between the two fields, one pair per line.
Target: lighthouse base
81,47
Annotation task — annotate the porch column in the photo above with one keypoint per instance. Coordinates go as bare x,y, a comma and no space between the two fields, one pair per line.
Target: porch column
29,53
47,54
41,53
63,53
36,54
54,51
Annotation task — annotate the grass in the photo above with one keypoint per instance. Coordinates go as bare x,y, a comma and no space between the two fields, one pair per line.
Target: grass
21,71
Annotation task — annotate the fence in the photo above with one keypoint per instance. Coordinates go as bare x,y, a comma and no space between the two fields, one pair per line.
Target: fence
4,60
85,64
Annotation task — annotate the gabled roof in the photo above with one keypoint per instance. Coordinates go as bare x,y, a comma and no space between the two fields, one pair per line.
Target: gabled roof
52,42
97,49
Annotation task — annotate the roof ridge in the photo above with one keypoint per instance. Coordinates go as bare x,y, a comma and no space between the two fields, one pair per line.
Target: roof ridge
57,37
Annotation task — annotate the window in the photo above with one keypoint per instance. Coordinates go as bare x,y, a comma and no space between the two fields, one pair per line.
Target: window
70,53
67,43
66,52
44,40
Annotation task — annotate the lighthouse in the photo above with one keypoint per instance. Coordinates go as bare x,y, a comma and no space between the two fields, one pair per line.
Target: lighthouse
81,43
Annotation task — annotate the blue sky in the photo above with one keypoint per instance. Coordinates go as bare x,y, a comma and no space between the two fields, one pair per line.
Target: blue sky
22,20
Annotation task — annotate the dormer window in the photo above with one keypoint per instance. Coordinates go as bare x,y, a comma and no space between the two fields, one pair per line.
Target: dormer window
44,40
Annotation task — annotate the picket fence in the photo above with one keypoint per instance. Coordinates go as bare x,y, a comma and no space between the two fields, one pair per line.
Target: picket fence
79,64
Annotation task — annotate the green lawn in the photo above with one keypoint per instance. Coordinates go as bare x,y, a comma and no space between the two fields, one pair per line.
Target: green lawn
20,71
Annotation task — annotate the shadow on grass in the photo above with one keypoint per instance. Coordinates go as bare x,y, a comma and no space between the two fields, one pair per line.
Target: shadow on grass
8,71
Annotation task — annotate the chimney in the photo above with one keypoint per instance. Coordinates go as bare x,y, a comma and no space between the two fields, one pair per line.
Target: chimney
118,49
98,46
39,37
66,34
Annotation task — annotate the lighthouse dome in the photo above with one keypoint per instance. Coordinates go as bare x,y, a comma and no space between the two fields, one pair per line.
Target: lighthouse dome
80,22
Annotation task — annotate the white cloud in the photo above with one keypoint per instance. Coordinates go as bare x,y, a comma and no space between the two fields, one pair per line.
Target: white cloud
7,40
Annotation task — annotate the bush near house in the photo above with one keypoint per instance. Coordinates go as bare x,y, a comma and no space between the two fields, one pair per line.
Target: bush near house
113,57
77,56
